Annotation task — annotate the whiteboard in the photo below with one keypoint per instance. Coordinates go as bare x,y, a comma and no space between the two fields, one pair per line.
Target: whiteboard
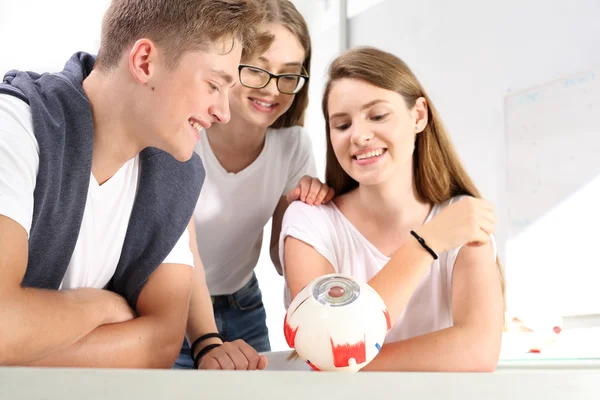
553,195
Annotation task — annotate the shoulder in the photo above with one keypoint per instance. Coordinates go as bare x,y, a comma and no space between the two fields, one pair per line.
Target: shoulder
310,217
299,210
313,225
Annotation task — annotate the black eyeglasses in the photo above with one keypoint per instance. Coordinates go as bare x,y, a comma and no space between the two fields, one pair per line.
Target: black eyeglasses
258,78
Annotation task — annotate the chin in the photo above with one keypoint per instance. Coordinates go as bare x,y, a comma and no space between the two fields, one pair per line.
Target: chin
262,121
181,152
184,155
368,179
258,119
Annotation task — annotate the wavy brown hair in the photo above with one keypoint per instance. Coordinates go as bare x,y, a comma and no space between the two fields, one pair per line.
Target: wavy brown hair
180,26
438,172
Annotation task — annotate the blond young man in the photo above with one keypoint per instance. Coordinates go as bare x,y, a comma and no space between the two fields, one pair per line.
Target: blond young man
98,182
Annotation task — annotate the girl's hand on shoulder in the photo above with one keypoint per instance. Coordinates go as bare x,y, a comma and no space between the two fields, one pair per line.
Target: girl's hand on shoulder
311,191
469,221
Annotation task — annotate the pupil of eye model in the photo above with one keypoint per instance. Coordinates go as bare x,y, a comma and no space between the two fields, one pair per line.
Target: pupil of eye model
336,291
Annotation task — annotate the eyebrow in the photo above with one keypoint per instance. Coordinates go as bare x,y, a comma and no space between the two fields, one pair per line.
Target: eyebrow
223,75
290,64
363,107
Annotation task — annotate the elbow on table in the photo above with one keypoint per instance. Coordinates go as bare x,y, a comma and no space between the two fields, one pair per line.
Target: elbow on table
166,352
9,354
486,365
485,359
5,357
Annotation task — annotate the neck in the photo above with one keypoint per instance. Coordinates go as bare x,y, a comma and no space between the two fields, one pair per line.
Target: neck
114,144
237,136
396,204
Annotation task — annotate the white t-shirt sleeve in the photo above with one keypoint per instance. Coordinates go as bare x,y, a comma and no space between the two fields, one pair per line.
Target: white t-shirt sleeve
309,224
181,253
302,160
19,153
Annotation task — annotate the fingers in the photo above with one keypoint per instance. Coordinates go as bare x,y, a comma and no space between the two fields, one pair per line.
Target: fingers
484,215
329,196
252,357
305,185
239,359
322,195
237,355
293,195
312,191
488,223
481,238
481,204
262,364
487,227
224,360
208,362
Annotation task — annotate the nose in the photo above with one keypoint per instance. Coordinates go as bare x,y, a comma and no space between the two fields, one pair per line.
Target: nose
360,134
219,111
271,88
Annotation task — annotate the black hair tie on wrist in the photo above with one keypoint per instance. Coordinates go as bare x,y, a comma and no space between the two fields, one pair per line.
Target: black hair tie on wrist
201,339
422,242
203,352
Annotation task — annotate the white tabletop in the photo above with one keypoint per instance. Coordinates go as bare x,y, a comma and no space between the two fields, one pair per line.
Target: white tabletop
90,384
278,361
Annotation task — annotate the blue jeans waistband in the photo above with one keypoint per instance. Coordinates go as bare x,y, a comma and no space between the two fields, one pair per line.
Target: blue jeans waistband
238,298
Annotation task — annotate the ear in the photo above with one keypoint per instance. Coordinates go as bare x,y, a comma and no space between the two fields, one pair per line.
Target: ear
420,113
142,60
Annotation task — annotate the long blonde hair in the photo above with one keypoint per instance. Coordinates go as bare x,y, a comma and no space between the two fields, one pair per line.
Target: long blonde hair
438,172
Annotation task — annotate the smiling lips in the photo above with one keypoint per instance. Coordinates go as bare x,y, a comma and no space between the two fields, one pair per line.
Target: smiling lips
368,156
263,105
198,124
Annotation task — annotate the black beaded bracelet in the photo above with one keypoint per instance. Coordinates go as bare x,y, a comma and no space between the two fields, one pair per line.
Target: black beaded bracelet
201,339
422,242
203,352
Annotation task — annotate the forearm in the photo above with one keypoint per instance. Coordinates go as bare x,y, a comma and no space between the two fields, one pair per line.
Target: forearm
37,322
276,232
398,279
145,342
455,349
201,319
274,253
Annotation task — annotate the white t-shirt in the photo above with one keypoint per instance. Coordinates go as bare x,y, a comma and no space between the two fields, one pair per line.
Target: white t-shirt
332,235
107,208
233,208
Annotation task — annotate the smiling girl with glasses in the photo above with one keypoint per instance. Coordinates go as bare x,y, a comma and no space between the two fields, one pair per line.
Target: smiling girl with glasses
255,166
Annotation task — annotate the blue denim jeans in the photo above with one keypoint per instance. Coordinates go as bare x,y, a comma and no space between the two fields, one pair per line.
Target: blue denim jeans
240,315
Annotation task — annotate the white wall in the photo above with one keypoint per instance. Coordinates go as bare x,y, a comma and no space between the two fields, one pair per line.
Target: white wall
469,54
41,35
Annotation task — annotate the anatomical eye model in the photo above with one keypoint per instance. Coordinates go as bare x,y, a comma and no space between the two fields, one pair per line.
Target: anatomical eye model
337,323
